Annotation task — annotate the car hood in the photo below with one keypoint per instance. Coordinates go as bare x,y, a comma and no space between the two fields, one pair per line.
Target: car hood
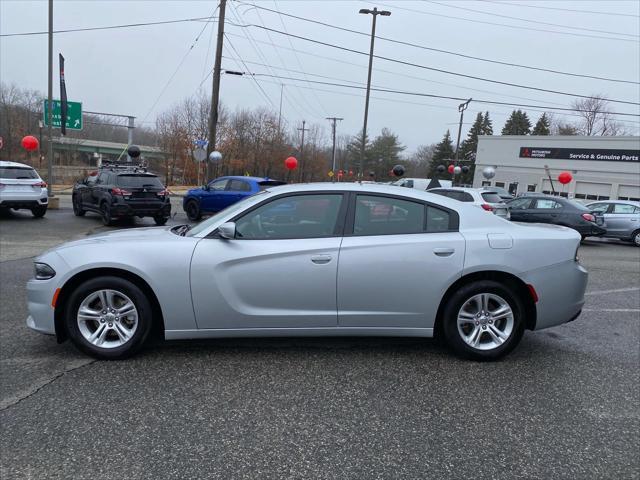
134,236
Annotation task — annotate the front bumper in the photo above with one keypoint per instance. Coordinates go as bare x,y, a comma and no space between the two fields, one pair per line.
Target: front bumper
560,290
41,312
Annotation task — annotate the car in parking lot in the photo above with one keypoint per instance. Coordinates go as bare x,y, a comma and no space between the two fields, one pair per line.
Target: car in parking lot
314,260
120,191
558,211
622,218
488,201
222,192
502,193
22,188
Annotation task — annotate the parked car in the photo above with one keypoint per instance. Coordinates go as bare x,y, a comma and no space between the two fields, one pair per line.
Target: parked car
488,201
502,193
622,218
222,192
315,259
120,191
22,188
559,211
420,183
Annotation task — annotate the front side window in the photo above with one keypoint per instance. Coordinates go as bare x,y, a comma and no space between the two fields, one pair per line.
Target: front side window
239,186
599,207
547,204
218,185
621,208
387,216
520,204
297,216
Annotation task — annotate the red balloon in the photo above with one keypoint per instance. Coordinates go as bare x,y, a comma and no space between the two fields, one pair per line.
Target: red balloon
450,168
30,143
291,163
351,173
565,177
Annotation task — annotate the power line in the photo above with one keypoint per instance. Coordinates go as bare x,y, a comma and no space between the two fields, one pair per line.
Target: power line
517,27
562,9
448,52
411,64
493,14
110,27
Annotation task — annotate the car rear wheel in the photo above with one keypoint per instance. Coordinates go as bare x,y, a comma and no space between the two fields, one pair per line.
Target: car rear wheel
160,220
108,318
77,209
105,212
193,210
483,320
39,211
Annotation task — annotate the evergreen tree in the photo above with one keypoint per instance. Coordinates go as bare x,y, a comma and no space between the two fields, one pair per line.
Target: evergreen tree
487,125
542,126
384,154
517,124
443,154
354,152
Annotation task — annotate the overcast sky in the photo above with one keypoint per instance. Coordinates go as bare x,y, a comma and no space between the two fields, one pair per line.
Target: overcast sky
125,70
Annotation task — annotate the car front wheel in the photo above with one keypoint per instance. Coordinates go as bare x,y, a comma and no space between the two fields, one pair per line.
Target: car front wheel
160,220
77,209
635,238
483,320
108,318
193,210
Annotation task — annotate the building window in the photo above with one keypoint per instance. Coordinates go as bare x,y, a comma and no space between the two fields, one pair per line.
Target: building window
592,197
500,184
564,194
486,183
580,195
603,197
531,187
623,198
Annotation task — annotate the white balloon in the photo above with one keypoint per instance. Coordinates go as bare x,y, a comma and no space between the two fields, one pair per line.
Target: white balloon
215,156
489,172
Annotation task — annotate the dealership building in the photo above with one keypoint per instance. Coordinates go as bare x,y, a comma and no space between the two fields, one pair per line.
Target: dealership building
602,168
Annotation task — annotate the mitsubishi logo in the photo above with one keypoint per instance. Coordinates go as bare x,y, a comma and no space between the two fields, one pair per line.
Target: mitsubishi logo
144,190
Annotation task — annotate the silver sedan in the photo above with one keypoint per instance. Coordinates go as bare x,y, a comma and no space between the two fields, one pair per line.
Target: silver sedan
315,260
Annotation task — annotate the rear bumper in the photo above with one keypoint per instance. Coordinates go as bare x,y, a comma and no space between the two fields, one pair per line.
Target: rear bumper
560,290
591,230
141,209
24,200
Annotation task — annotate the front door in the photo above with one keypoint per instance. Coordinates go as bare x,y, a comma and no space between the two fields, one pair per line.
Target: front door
520,209
213,200
278,272
622,219
396,263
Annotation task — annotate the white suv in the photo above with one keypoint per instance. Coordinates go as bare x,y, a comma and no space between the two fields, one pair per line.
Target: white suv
22,187
489,201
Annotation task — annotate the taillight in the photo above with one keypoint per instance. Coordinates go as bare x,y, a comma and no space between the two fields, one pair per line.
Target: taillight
163,192
588,217
40,184
487,207
120,191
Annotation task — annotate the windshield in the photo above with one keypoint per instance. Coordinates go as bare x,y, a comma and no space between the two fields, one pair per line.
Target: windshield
139,181
17,173
229,211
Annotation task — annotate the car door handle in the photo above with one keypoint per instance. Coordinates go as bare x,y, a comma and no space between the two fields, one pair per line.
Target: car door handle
321,259
443,252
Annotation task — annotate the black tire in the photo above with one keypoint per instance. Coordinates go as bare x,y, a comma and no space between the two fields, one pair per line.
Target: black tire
452,335
160,220
635,238
77,209
39,211
192,208
135,294
105,213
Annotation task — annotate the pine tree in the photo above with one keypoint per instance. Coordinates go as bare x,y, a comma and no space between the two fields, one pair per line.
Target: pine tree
542,126
384,153
517,124
487,125
443,154
354,152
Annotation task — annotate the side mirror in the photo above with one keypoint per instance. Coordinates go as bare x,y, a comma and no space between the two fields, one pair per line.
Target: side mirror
205,187
227,230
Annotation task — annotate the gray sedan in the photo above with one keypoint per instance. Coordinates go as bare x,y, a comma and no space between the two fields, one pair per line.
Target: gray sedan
622,218
314,260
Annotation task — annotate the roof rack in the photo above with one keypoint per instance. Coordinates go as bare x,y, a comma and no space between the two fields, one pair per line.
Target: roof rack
114,167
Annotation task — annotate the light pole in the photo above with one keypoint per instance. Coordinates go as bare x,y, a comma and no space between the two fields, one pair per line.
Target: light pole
333,149
375,12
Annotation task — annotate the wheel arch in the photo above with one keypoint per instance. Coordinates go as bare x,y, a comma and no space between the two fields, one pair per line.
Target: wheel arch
80,277
508,279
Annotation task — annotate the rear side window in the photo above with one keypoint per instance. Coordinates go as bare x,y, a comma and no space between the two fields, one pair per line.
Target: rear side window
139,181
465,197
438,220
264,184
444,193
621,208
239,186
544,203
17,173
387,216
491,197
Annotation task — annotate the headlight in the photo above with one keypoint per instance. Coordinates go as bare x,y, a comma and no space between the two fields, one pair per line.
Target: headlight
43,271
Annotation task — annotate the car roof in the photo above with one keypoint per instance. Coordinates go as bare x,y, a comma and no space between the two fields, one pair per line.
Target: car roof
623,202
243,177
5,163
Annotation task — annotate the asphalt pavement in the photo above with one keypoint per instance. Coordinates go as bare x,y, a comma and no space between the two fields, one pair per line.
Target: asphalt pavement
565,404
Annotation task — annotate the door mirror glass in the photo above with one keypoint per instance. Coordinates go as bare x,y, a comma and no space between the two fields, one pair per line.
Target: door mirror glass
205,187
227,230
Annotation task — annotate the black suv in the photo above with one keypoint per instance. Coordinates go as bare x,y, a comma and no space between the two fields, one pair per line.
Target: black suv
122,191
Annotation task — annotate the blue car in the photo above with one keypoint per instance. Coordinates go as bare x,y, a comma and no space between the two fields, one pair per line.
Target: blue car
222,192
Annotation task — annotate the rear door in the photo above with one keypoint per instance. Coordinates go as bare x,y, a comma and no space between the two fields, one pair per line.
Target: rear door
546,210
236,191
397,258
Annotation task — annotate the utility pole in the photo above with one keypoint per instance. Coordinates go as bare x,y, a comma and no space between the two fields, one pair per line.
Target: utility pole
303,129
375,12
130,127
50,105
333,150
461,108
215,95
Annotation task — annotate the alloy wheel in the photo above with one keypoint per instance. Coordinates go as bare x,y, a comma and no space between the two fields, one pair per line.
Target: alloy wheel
485,321
107,318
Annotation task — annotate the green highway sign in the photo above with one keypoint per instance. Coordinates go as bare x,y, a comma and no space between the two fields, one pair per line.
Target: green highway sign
74,114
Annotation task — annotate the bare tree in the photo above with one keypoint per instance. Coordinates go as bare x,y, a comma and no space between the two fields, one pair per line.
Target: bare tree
596,117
